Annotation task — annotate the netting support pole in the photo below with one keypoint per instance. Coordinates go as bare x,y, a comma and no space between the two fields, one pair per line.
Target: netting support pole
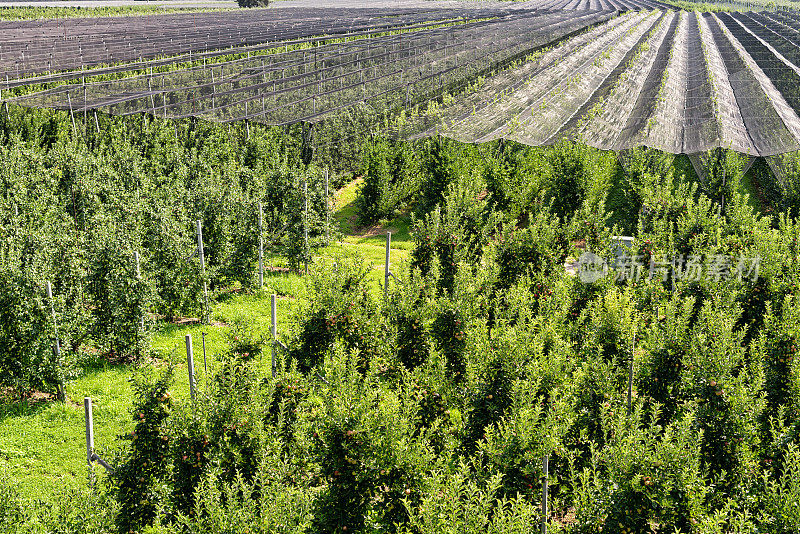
260,245
722,208
60,391
72,115
545,473
386,271
213,90
89,419
201,255
327,211
138,273
630,373
96,122
205,359
85,112
190,364
305,221
274,317
150,89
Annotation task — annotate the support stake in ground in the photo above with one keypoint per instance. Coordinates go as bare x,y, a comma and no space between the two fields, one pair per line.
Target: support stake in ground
190,364
202,256
386,271
546,473
60,391
260,245
274,316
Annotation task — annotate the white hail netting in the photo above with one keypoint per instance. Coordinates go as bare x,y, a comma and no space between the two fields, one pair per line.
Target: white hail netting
380,73
676,81
604,72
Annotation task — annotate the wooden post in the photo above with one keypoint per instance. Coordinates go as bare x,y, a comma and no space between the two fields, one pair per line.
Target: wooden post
274,317
260,245
190,363
386,271
60,391
546,472
87,408
202,256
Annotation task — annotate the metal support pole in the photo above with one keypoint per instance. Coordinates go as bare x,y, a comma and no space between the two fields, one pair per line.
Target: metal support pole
260,245
60,391
190,363
87,408
205,360
138,277
96,122
305,221
630,373
72,116
386,271
274,317
202,256
546,473
85,112
327,211
723,187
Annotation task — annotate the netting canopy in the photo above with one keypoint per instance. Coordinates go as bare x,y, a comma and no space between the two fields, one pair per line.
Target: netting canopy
676,81
615,74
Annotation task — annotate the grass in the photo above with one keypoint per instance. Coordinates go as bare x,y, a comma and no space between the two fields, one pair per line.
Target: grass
42,445
345,208
346,217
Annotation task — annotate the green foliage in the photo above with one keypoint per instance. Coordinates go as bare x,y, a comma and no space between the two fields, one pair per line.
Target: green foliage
141,471
121,297
361,441
343,310
430,411
391,177
27,359
566,179
644,475
439,168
